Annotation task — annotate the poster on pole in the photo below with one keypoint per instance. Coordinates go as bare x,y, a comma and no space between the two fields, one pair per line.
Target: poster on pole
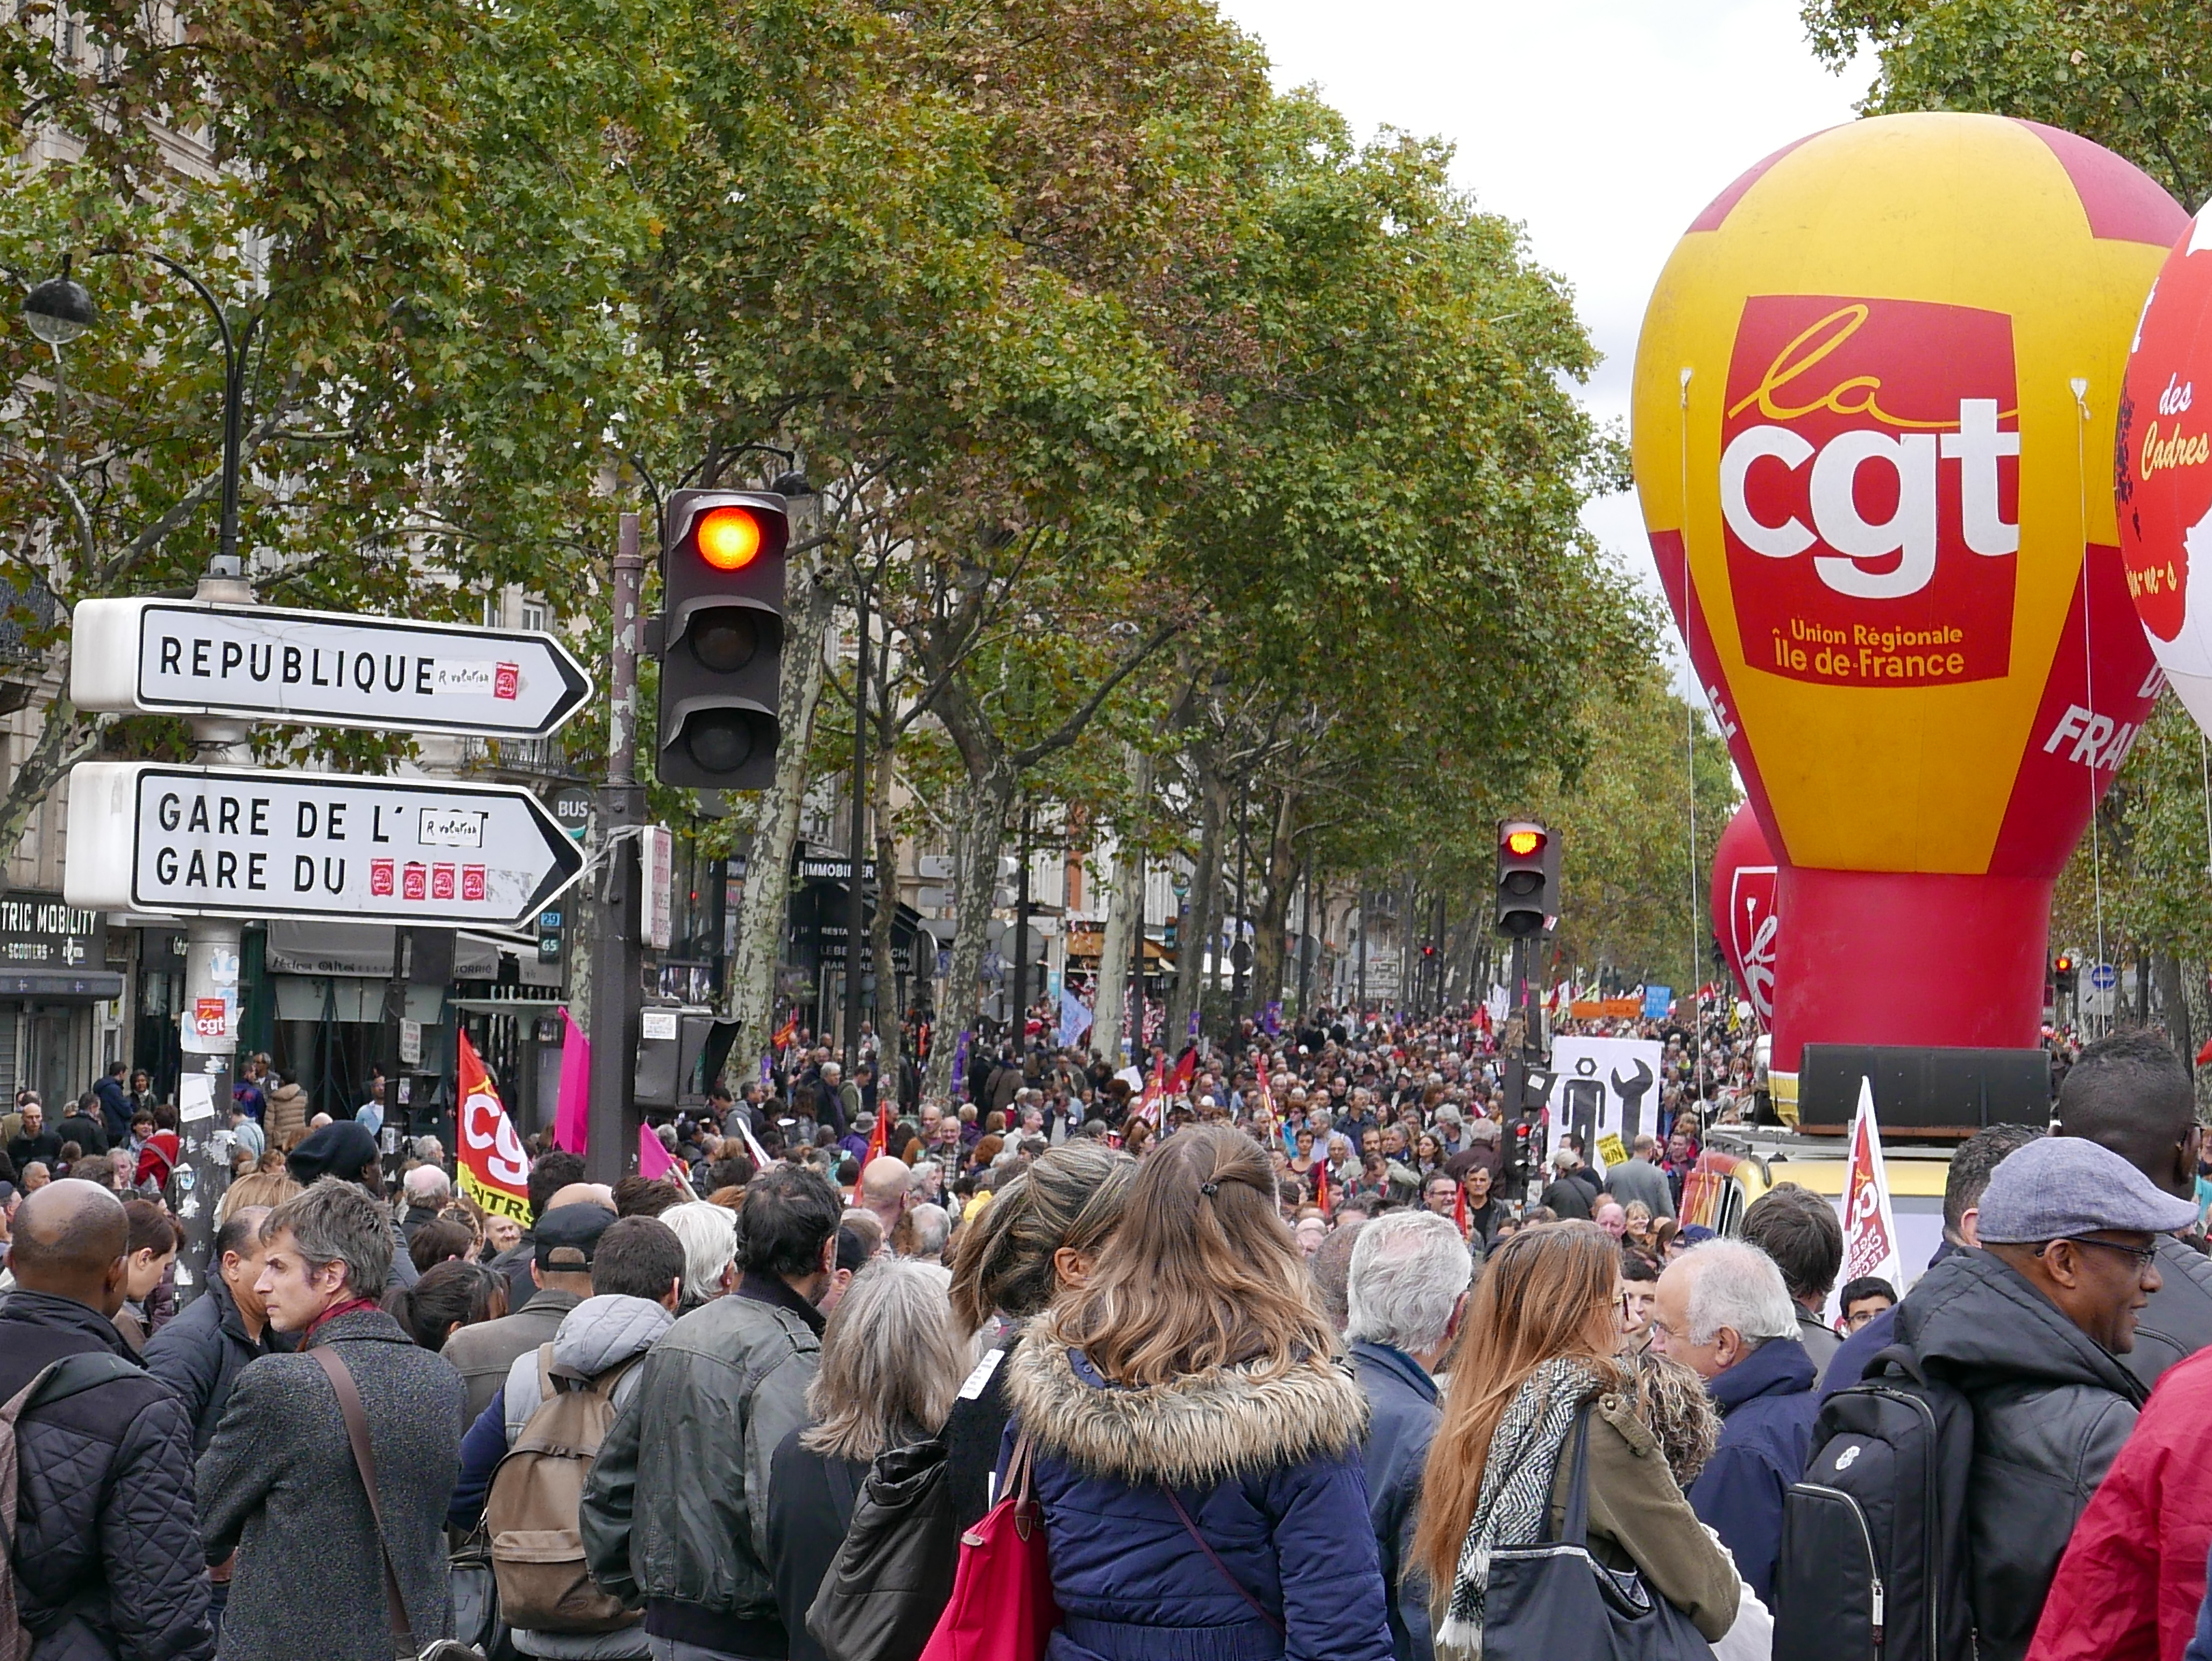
1869,1228
495,1171
1605,1090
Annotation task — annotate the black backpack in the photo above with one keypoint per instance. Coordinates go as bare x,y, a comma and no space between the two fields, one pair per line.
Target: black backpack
1873,1561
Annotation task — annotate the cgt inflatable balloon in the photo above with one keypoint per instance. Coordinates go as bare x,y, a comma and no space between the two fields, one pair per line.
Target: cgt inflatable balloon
1745,880
2163,463
1874,406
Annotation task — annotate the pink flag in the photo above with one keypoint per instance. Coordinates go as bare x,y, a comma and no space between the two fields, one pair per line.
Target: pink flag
572,1118
653,1161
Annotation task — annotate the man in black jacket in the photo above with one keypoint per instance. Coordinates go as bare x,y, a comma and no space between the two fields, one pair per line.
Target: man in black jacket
83,1126
2031,1329
200,1354
106,1552
2132,1094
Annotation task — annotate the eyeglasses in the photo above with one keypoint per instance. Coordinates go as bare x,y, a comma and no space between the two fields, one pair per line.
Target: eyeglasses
2143,1255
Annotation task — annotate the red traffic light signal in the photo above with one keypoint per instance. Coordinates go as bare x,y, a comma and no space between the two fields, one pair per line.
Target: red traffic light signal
1528,877
729,538
2064,965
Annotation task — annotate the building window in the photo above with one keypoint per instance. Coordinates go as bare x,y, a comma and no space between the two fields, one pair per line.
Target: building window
533,615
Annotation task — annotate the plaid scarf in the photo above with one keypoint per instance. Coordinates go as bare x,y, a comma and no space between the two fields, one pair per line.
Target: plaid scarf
1510,1507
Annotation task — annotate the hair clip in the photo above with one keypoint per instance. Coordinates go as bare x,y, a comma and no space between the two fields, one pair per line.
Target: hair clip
1209,1188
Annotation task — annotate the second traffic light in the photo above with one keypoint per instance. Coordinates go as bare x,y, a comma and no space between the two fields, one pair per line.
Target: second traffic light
1528,876
721,638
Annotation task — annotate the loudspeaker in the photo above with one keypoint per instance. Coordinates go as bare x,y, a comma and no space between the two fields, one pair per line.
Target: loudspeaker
1922,1090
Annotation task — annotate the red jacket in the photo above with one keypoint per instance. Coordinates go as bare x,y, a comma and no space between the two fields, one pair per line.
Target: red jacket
2129,1586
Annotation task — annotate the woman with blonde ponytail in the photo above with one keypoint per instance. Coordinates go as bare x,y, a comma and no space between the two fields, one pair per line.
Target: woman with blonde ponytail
1193,1442
1041,1234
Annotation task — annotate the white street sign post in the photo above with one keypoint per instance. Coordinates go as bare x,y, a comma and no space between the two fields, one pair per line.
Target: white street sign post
237,842
330,669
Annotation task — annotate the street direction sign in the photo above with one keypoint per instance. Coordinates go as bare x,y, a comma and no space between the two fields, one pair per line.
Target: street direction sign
234,842
2104,977
328,668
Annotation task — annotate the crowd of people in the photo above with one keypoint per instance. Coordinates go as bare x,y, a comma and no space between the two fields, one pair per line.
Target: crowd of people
1315,1348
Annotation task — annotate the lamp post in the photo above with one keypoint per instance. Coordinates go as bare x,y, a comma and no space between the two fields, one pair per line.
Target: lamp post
58,312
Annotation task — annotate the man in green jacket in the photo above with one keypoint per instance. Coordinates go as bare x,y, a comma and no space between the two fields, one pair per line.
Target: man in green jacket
675,1514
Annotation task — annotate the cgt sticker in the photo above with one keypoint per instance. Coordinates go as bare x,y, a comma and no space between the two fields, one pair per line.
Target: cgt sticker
1869,487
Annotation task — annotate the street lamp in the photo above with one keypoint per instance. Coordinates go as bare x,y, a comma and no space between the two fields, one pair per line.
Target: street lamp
60,309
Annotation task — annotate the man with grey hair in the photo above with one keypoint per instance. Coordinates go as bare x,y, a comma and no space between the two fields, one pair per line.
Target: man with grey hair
709,1234
428,1190
923,1232
280,1477
1410,1272
1723,1312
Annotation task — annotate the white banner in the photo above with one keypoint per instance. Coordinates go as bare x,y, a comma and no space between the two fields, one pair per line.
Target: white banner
1869,1228
1605,1088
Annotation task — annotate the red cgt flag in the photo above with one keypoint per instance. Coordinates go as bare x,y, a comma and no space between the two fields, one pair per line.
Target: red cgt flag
495,1171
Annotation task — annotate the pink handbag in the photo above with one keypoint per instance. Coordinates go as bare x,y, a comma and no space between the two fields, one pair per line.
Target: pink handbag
1002,1607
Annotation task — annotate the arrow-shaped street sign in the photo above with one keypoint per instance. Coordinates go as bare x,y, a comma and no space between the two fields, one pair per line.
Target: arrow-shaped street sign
327,667
234,842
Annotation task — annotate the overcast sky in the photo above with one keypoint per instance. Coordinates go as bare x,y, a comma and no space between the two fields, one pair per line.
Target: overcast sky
1603,125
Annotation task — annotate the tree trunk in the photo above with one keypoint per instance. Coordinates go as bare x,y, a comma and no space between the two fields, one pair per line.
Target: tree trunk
806,606
887,1013
1279,874
2173,992
1196,938
1110,1008
975,879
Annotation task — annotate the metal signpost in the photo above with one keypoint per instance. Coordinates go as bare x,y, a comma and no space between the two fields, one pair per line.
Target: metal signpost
224,842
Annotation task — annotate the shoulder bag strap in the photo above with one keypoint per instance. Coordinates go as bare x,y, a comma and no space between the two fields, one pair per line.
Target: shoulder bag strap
1222,1568
1575,1529
364,1459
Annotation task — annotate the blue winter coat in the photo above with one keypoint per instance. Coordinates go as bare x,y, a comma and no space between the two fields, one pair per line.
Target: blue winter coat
1402,1399
1767,1406
1269,1471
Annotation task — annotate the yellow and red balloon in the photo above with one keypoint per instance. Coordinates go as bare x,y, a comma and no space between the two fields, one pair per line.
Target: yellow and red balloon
1873,409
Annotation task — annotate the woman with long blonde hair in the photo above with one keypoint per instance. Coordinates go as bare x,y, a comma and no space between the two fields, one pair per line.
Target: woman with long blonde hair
1193,1444
1541,1349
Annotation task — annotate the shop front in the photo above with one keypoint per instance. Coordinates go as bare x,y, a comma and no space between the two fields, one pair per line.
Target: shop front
60,1003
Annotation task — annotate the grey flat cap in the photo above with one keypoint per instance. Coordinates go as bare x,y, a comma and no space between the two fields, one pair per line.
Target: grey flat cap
2066,1185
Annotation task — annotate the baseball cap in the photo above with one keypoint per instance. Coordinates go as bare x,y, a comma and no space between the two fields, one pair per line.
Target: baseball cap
566,1236
2063,1185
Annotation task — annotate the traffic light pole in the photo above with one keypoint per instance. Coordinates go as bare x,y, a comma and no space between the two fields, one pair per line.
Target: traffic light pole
615,955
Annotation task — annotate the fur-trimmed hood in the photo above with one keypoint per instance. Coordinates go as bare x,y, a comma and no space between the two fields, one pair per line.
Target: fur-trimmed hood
1197,1432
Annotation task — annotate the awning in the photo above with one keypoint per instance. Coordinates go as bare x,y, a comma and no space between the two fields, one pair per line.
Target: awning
61,986
320,948
370,949
1084,939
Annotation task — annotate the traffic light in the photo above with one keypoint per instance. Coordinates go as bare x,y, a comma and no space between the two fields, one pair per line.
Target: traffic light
721,638
2065,973
1528,876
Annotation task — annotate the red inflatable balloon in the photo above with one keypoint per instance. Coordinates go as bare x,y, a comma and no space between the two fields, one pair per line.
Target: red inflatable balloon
1746,887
